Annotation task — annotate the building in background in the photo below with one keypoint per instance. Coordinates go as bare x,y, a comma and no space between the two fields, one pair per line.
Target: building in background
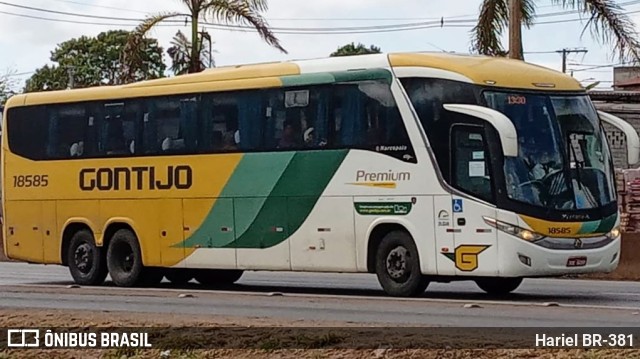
624,102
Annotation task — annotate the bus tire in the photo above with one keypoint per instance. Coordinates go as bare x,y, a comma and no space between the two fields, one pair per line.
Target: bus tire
398,266
124,259
86,260
178,276
498,286
211,277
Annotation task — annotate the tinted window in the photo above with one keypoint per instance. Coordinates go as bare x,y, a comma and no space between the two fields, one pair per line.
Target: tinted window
470,164
118,131
67,128
170,124
358,115
220,131
28,131
295,119
428,97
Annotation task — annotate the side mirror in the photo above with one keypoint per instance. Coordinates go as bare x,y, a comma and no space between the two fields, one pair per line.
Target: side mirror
633,140
504,126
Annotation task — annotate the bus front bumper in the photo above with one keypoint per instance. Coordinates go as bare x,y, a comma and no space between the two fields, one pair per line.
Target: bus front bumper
524,259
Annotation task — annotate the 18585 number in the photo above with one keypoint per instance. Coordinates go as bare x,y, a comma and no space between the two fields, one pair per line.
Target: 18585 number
31,181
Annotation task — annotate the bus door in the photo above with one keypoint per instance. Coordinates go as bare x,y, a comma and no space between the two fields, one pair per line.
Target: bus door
475,251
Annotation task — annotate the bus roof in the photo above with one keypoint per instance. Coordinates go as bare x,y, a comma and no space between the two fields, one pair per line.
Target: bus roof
482,70
494,71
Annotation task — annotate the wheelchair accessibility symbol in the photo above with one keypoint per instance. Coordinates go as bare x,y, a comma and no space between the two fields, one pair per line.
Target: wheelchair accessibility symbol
457,206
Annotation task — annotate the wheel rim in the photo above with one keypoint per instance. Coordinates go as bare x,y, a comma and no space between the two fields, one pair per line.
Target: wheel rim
397,266
83,258
124,256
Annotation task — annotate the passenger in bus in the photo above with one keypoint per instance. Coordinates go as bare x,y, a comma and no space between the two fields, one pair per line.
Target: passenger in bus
229,142
289,137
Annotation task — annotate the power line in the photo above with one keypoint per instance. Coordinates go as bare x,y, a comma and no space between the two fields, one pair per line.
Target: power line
604,66
565,52
70,21
102,6
303,30
310,19
540,52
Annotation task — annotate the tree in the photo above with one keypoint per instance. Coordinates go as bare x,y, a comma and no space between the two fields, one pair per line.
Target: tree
180,53
47,78
606,20
94,61
7,87
353,49
243,12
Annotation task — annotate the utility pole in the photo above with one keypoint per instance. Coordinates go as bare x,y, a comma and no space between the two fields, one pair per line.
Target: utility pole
71,72
565,52
515,30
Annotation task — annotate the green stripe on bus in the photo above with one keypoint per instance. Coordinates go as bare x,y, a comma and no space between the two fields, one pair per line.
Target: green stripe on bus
292,199
589,227
338,76
363,75
254,179
606,224
307,79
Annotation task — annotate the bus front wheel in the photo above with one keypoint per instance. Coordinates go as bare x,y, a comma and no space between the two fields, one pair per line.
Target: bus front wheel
86,262
124,259
398,266
499,286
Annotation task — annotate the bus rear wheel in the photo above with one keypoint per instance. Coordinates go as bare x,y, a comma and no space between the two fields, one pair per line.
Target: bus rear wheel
124,259
499,286
86,261
211,277
398,266
178,276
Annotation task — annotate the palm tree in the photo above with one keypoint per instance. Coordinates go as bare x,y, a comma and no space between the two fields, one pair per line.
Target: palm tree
180,53
606,20
244,12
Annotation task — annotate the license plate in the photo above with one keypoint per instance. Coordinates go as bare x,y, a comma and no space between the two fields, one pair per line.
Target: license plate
577,262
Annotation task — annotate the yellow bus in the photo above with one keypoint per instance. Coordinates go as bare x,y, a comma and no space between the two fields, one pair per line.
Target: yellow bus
417,167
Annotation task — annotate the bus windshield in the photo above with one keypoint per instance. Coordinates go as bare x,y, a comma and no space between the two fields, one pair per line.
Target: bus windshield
563,160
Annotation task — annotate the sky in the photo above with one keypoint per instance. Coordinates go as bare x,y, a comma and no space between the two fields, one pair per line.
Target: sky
26,43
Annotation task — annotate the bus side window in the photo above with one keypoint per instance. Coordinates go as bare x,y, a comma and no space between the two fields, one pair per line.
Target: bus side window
367,118
251,120
119,130
27,131
296,118
91,143
221,123
470,165
67,129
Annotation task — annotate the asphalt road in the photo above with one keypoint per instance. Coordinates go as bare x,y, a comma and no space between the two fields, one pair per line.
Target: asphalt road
338,297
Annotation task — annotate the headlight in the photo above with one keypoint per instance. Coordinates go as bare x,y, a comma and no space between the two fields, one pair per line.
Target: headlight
521,233
614,233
